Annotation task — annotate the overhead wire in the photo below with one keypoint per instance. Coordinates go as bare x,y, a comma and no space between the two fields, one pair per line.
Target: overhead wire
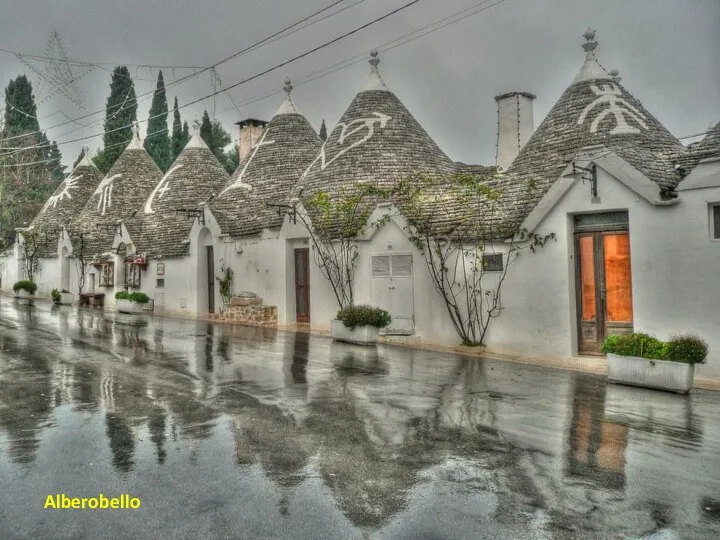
260,74
265,41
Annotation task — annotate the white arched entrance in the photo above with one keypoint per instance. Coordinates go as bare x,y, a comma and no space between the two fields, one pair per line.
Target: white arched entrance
65,269
205,282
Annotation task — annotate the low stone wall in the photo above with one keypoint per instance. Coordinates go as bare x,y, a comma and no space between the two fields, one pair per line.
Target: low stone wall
250,315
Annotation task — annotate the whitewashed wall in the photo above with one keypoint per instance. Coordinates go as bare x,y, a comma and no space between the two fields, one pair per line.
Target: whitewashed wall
674,268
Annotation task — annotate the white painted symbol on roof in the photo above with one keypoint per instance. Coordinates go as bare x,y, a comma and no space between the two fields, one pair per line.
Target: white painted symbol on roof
345,132
68,184
162,187
105,189
617,106
238,183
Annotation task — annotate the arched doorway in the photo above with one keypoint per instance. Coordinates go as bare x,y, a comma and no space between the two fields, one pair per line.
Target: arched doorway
205,283
65,269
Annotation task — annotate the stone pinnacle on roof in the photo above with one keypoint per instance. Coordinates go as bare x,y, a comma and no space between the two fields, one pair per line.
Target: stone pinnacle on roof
287,106
85,161
590,69
375,81
135,142
196,140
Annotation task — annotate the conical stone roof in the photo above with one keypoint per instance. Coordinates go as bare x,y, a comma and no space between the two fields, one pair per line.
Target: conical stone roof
283,152
158,228
123,190
68,200
594,110
708,147
377,141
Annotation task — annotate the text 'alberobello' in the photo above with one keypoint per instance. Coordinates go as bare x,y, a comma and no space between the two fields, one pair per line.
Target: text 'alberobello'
101,502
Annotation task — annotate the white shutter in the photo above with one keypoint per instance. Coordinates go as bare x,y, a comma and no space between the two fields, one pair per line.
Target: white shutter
401,265
381,266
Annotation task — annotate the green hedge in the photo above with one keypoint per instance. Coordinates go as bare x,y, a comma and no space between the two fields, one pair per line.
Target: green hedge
353,316
55,295
139,297
26,285
687,348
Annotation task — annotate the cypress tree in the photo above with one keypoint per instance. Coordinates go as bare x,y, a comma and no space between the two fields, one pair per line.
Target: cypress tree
157,142
20,108
120,113
185,134
177,142
323,131
206,133
31,174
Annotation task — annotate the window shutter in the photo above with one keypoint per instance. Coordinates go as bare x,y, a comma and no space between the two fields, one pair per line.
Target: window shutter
402,265
381,266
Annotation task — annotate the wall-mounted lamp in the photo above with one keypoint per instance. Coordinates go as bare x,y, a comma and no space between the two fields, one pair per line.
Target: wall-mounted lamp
286,209
589,174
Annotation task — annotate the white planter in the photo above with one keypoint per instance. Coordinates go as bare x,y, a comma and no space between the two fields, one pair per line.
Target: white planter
661,374
24,298
66,299
362,335
128,306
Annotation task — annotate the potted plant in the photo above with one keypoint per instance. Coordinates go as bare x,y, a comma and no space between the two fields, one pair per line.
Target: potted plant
25,289
63,298
359,324
638,359
130,302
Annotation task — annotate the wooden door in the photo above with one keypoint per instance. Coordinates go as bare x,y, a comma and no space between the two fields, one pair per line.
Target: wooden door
211,278
302,285
604,287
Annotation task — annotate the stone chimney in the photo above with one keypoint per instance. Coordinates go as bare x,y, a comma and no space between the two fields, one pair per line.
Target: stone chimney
250,131
515,125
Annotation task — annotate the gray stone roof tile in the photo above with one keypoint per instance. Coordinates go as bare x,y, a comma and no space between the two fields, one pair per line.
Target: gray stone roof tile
123,190
284,150
67,201
158,229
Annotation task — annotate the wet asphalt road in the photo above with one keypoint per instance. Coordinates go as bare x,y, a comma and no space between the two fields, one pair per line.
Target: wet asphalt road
235,432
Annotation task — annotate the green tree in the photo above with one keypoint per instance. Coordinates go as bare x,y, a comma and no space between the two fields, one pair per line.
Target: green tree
20,108
120,113
323,131
177,143
157,142
206,133
30,164
217,138
231,159
185,134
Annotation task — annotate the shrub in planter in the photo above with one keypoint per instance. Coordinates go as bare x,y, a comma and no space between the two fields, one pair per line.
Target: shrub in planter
139,298
25,285
687,348
122,295
636,344
55,295
632,360
353,316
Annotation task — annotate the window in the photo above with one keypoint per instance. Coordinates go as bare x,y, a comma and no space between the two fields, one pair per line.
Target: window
132,275
160,282
107,275
715,221
492,262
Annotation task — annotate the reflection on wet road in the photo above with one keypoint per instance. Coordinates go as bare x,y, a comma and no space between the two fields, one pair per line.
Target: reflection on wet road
241,432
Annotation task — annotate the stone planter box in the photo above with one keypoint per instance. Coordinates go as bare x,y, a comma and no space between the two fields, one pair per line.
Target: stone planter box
128,306
66,299
361,335
660,374
24,297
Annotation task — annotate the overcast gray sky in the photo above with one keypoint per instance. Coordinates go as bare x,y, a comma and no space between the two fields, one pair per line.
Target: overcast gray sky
667,51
